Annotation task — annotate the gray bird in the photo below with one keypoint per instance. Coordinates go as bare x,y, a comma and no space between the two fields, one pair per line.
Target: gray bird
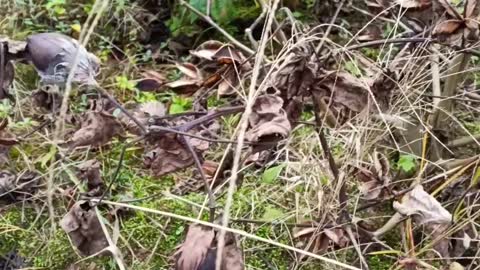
53,55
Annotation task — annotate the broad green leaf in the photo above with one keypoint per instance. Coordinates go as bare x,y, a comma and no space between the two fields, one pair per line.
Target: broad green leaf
272,213
271,174
407,163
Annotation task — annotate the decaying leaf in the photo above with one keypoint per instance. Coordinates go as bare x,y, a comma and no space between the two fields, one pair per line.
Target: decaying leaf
18,187
374,180
194,184
414,3
151,81
143,113
193,251
47,98
89,171
198,251
8,77
190,82
447,27
84,229
344,88
268,121
207,49
168,155
97,128
319,240
229,83
426,210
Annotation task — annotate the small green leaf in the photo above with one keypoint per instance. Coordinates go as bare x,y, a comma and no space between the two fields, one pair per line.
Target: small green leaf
271,174
272,213
352,68
475,178
407,163
176,108
124,83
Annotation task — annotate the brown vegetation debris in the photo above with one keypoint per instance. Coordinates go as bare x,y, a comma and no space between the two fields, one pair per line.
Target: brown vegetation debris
18,187
268,121
84,229
89,171
167,155
198,251
97,129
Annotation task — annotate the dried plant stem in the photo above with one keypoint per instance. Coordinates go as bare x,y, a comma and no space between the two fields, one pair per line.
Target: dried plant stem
242,130
208,190
441,113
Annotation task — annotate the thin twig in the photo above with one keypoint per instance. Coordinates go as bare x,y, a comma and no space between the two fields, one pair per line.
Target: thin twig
216,26
208,190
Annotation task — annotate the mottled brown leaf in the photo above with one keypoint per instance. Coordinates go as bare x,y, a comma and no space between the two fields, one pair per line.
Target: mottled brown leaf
18,187
268,121
97,128
89,171
194,249
447,27
344,88
375,179
47,98
168,155
84,229
143,113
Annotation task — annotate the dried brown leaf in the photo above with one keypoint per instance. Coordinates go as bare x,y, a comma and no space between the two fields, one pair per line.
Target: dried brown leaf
47,98
168,155
414,3
16,188
194,249
207,49
97,128
447,27
268,121
472,9
191,71
229,55
426,210
227,86
84,229
151,81
89,171
344,88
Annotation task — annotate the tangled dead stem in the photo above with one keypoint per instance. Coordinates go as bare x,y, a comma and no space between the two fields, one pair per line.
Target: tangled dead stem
361,147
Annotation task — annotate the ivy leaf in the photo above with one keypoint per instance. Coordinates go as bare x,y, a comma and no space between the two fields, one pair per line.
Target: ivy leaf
272,213
271,174
407,163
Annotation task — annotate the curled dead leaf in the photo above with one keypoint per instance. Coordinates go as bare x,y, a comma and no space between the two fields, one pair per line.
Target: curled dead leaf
207,49
168,155
151,81
84,229
268,121
198,251
426,210
318,240
447,27
190,82
47,98
89,171
374,180
97,128
144,113
18,187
